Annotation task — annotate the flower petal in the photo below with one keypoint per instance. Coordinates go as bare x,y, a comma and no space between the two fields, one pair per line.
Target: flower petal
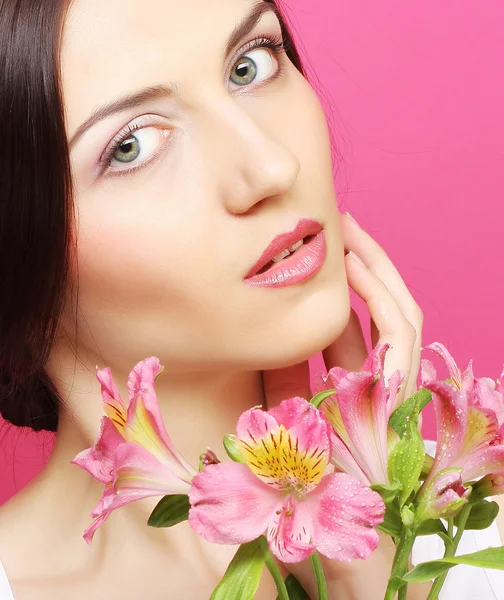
91,530
290,412
362,403
343,460
289,532
230,505
487,395
323,381
286,459
113,404
451,409
99,459
442,495
444,354
112,500
144,422
481,431
375,360
137,469
254,424
345,514
489,460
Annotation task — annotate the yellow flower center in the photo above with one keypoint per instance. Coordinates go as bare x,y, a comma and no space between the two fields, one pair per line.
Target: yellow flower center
278,460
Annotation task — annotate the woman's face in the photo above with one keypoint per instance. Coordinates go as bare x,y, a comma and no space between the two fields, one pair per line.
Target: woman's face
178,194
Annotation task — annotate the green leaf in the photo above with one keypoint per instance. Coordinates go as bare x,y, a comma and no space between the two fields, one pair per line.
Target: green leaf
482,515
320,397
295,589
418,401
406,458
232,448
241,579
490,558
170,511
430,527
387,492
392,523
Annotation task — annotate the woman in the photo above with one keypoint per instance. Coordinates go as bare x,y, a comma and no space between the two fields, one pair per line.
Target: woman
140,186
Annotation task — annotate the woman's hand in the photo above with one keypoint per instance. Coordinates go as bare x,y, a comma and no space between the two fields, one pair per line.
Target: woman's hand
395,318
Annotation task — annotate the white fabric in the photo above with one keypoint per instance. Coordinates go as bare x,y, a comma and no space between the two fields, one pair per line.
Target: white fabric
5,588
463,582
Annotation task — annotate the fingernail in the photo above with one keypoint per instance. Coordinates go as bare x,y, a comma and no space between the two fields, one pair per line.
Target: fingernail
355,257
350,217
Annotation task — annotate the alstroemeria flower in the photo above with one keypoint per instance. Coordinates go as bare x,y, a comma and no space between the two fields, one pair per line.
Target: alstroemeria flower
359,413
444,495
469,415
281,490
133,456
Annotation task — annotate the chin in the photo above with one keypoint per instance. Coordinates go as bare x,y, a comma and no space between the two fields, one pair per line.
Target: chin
309,329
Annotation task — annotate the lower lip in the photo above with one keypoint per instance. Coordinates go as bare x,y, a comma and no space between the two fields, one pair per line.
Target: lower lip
297,267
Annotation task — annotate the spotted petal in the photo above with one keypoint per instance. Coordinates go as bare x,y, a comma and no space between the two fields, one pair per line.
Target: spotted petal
489,460
113,404
287,459
344,515
289,532
450,406
229,505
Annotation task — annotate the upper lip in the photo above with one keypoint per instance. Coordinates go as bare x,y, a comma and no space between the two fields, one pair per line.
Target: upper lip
283,241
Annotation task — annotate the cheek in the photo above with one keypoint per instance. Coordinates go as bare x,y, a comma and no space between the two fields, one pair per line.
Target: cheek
135,250
305,131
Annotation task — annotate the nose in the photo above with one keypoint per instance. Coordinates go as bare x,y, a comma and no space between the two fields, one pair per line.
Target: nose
249,157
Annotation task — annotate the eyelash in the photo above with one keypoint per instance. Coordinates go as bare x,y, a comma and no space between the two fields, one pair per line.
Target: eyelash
274,42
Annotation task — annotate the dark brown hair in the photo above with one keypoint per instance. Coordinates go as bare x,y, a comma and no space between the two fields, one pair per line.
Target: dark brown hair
36,206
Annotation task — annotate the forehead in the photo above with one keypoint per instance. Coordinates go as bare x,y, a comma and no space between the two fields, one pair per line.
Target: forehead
116,47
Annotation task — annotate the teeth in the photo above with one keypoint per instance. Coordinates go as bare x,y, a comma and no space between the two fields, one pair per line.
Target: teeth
285,253
296,246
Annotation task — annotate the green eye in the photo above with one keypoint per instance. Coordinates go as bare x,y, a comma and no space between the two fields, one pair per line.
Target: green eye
254,66
244,71
128,150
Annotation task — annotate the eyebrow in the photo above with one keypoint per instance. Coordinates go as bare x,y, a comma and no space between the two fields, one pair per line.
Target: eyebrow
243,28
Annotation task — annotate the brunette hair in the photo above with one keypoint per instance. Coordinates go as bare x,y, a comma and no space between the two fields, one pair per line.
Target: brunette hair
36,204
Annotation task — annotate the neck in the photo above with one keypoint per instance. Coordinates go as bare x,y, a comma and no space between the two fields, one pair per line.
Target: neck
198,409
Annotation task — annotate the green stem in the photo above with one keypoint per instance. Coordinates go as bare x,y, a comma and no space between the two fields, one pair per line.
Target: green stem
450,549
319,576
283,594
400,564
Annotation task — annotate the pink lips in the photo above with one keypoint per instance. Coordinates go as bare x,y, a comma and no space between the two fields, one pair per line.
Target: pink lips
298,266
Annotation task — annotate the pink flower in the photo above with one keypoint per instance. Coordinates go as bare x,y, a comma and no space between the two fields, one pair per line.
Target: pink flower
470,417
133,456
281,490
359,413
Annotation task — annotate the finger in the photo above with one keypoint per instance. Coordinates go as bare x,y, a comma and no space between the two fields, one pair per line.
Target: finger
377,261
280,384
391,323
349,350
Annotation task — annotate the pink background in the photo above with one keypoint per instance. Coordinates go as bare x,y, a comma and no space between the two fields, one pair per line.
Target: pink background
415,93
